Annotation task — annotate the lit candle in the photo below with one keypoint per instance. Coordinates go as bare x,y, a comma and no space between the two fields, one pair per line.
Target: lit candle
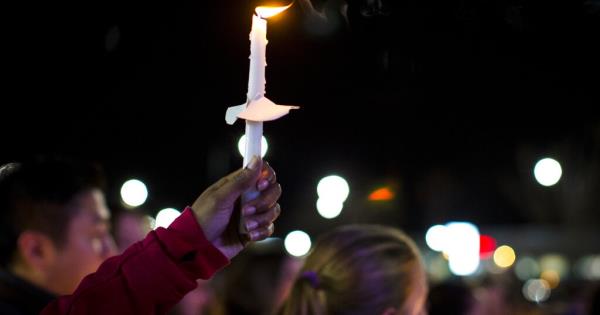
257,107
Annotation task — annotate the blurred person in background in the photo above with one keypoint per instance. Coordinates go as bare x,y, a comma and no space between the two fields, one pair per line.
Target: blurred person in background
258,280
55,231
360,269
130,226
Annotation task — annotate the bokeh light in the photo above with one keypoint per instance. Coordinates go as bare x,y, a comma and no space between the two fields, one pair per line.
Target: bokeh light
588,267
264,146
151,221
555,262
329,208
487,246
551,277
333,187
504,256
527,268
134,193
536,290
297,243
381,194
547,172
462,248
166,216
436,237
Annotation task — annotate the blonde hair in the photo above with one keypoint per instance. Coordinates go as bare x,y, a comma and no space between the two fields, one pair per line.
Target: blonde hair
355,269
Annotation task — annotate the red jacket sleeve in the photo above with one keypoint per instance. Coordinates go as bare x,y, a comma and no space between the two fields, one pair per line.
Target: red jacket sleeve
149,277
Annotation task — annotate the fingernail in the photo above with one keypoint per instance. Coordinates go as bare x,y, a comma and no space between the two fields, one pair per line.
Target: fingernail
254,235
263,184
251,225
249,211
253,163
277,209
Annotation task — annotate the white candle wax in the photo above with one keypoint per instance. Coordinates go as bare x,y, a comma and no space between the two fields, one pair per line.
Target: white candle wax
256,84
256,89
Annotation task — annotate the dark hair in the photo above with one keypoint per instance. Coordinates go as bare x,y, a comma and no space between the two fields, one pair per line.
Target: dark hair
595,302
252,281
356,269
34,195
451,298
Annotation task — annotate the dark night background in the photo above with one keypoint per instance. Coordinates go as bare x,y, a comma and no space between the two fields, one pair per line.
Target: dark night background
451,102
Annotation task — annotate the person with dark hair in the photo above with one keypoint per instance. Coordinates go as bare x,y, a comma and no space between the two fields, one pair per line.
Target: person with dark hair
357,270
55,232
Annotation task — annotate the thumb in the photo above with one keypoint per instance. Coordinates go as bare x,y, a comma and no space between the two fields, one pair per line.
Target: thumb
239,181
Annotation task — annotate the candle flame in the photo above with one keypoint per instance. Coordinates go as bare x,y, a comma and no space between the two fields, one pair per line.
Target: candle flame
267,12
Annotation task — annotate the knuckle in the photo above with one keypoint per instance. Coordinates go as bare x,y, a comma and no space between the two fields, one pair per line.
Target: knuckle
277,210
239,175
271,229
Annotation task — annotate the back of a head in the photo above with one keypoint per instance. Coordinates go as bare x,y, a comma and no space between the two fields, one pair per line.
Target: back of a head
33,195
356,269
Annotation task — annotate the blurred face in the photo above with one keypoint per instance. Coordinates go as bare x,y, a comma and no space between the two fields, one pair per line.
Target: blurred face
130,228
87,245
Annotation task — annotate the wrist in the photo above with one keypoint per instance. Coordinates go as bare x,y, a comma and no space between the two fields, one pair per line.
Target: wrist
228,250
204,225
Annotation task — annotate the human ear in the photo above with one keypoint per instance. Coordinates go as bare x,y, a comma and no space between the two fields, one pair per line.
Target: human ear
36,250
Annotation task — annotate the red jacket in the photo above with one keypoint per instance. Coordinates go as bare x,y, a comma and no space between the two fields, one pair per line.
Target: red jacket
149,277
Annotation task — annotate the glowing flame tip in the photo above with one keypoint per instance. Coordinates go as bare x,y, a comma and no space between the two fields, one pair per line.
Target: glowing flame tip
267,12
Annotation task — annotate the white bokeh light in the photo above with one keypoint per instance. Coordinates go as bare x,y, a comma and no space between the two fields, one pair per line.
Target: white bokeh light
264,146
588,267
165,217
536,290
329,208
134,193
547,172
463,248
594,270
436,237
297,243
151,221
333,187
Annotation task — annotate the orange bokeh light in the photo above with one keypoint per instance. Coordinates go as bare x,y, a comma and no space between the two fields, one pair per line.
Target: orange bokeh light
382,194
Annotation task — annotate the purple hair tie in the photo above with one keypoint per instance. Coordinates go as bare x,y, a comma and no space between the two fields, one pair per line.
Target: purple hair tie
312,278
